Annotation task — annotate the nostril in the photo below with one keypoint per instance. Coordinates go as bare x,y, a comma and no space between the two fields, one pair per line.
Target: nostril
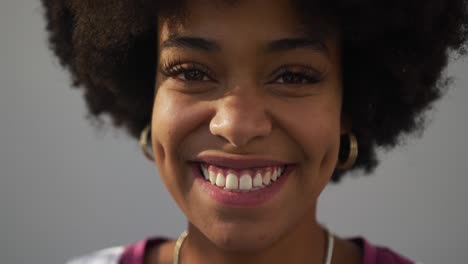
241,124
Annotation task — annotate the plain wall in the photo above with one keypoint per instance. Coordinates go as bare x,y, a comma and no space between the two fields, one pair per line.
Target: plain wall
68,189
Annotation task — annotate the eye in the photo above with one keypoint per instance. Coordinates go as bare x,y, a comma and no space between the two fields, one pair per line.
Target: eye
187,72
297,75
294,77
192,75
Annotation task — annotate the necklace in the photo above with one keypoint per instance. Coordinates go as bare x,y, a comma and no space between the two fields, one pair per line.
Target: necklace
328,255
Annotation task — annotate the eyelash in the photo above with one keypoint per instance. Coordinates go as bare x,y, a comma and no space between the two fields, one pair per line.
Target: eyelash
175,68
311,76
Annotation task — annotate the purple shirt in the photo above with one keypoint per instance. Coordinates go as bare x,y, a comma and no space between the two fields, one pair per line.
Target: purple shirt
134,253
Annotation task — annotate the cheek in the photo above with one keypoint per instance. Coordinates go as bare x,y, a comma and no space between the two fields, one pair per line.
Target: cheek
169,123
176,118
316,129
325,143
172,123
164,123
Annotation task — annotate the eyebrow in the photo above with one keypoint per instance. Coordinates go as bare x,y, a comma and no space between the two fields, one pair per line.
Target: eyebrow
286,44
280,45
202,44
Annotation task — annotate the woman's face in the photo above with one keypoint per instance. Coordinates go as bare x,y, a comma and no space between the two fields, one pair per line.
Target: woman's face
242,90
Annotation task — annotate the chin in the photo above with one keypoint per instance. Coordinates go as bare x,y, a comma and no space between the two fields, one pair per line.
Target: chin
243,237
244,242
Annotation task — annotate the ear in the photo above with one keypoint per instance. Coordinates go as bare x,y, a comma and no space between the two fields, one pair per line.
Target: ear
346,124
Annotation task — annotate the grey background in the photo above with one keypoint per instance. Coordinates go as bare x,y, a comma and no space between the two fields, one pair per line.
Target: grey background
67,189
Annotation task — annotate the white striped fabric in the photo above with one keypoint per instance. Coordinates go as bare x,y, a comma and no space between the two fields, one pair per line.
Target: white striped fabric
105,256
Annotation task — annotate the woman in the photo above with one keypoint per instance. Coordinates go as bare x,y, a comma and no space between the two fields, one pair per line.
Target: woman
252,107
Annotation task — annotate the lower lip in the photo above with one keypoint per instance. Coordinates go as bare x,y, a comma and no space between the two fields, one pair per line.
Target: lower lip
241,199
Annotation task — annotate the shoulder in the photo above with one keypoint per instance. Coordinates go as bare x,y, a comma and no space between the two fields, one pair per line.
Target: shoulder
104,256
373,254
130,254
385,255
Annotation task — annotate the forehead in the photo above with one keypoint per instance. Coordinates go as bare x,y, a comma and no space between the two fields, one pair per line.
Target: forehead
264,19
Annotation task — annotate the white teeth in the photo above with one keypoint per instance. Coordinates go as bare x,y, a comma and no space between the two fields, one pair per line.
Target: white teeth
231,181
274,175
245,182
267,178
220,181
205,172
257,181
212,177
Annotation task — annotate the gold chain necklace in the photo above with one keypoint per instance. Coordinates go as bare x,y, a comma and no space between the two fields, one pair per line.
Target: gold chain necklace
328,256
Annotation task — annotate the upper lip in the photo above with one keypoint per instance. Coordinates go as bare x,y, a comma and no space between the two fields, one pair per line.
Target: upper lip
239,162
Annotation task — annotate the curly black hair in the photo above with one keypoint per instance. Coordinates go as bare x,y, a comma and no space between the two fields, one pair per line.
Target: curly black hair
394,54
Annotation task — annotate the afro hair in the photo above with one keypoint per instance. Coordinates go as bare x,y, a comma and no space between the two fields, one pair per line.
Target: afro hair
394,55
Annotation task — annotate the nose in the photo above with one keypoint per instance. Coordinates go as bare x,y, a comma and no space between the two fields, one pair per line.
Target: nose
241,118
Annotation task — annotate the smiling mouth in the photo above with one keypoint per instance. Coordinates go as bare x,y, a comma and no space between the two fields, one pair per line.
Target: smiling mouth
244,180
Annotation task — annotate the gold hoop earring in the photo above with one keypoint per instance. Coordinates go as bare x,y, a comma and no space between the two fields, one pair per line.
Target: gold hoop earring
144,143
352,155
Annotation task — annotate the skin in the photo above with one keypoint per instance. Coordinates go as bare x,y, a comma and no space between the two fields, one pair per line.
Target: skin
237,103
